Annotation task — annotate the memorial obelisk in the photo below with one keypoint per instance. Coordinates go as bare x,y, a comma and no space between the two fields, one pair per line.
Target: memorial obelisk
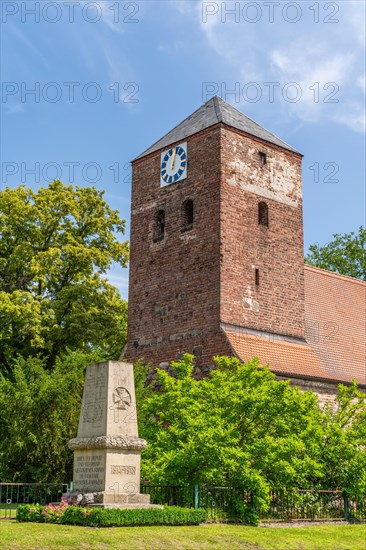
107,447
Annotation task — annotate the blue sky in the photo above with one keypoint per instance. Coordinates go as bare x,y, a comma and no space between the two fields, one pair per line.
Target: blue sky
110,78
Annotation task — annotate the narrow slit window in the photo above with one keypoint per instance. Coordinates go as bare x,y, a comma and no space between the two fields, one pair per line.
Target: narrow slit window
257,277
159,226
263,214
262,158
187,215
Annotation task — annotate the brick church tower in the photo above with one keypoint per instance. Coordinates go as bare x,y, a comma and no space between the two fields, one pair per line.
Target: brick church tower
216,240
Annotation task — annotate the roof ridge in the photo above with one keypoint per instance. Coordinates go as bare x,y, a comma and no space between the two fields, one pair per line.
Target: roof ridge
174,127
330,273
257,123
217,108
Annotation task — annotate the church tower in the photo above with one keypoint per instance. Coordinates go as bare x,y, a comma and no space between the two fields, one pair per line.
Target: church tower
216,240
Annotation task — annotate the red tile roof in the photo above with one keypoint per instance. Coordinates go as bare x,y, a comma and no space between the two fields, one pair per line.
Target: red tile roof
335,347
281,356
335,312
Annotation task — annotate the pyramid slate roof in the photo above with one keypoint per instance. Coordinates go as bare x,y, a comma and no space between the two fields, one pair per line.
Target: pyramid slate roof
214,111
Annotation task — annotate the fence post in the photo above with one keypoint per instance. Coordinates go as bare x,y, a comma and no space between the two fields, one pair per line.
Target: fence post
196,496
252,502
346,507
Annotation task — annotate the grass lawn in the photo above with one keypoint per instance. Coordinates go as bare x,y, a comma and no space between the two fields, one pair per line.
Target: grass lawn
15,535
8,511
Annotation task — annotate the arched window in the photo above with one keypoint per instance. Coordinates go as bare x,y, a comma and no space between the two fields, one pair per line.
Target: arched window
187,215
263,214
159,226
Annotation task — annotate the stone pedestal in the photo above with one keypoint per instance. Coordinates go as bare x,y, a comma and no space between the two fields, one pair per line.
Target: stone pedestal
107,447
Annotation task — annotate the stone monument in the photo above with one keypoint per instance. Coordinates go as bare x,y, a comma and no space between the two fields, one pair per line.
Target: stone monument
107,447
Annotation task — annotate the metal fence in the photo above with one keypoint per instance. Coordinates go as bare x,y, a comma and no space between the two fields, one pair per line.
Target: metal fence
13,494
223,503
307,505
231,504
219,502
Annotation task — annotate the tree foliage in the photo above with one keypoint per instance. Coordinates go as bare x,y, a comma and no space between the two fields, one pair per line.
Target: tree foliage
55,247
346,254
39,413
242,427
343,450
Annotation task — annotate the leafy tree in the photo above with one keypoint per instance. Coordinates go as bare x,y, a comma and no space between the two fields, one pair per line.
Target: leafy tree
237,427
143,390
242,427
55,248
346,254
39,413
343,451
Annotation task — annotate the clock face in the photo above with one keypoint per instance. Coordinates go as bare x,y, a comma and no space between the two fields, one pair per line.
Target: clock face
173,165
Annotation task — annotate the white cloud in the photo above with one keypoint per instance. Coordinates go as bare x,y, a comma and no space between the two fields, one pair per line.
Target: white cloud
305,52
361,82
111,15
353,116
320,78
355,15
326,79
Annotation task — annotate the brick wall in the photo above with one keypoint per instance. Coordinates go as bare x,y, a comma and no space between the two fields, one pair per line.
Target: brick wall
182,286
174,286
276,305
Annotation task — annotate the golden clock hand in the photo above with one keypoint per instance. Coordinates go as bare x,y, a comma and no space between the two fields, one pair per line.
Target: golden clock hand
173,157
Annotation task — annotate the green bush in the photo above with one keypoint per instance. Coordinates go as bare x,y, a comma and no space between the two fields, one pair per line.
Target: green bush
115,517
30,512
50,513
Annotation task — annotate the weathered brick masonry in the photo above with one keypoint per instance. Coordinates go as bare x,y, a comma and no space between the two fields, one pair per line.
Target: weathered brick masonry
231,284
276,305
174,293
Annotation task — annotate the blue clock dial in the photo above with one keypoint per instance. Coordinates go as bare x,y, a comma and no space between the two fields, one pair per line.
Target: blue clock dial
173,165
